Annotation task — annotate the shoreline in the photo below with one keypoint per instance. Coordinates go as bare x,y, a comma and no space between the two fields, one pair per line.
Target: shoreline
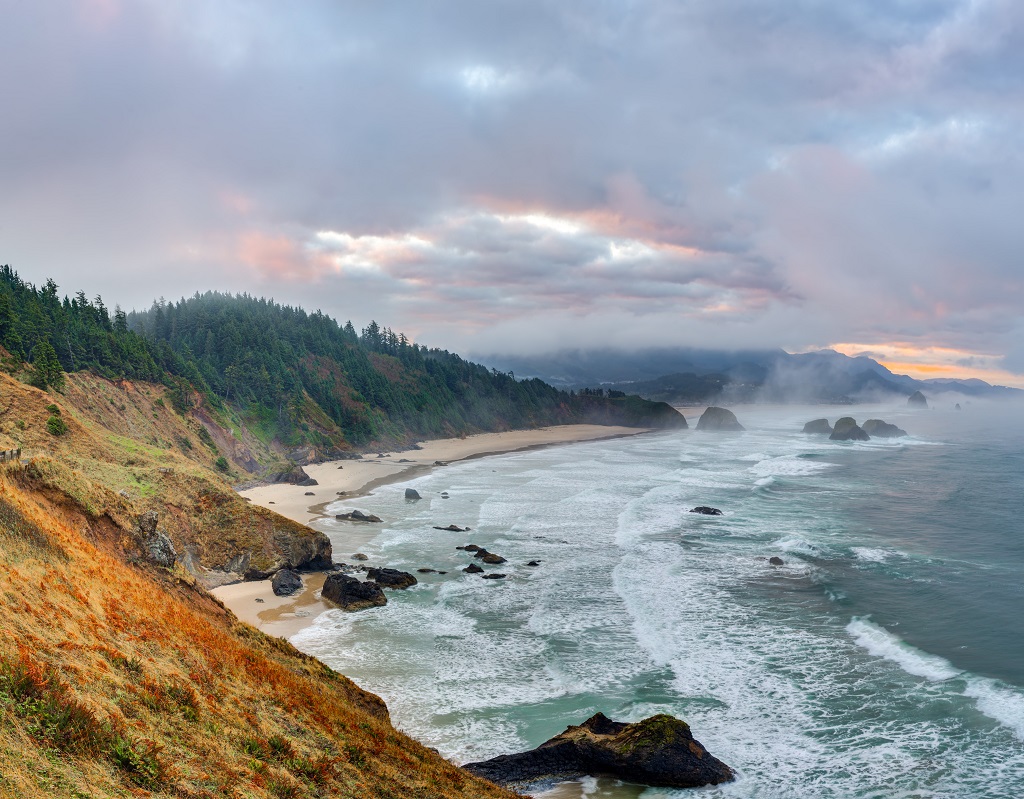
255,603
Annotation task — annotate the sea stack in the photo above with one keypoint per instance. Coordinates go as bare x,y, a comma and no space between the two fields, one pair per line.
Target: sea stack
659,750
876,428
719,419
847,429
818,427
917,400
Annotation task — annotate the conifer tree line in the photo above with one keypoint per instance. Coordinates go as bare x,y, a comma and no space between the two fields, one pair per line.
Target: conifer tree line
301,377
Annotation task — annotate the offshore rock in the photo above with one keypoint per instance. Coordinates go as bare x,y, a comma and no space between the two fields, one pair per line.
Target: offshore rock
917,400
358,516
818,427
472,568
706,510
657,751
719,419
391,578
412,493
353,594
847,429
876,428
285,583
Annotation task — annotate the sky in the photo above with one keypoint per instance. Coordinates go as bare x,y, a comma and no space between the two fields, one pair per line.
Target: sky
526,176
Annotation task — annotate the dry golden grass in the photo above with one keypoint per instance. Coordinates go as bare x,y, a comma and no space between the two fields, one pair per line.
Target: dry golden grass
118,682
127,451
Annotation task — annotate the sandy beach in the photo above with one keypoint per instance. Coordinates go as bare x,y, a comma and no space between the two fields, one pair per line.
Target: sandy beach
255,603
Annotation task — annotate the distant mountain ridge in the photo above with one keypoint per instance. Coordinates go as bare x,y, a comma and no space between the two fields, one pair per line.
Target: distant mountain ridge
682,375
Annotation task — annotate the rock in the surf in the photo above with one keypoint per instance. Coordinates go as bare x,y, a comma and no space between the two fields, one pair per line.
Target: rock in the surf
775,560
719,419
391,578
818,427
472,568
847,429
412,493
876,428
659,751
358,516
353,594
706,510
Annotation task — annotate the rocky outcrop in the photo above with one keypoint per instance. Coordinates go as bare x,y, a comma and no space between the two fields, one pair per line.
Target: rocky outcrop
847,429
285,583
818,427
358,516
491,558
917,400
156,544
876,428
296,476
472,568
454,528
412,493
719,419
706,510
775,560
352,594
391,578
658,751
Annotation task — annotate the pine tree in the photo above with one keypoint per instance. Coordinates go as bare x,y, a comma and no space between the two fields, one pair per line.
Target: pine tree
47,368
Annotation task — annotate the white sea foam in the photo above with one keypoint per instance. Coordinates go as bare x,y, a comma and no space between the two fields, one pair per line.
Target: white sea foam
875,554
882,643
999,701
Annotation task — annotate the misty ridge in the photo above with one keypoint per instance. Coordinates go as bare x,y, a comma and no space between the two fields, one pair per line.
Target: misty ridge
683,375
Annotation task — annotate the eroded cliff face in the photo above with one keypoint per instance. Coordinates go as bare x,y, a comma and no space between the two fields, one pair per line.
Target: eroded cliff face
121,676
125,452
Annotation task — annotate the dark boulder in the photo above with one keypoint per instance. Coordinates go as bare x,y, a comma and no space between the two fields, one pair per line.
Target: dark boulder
657,751
495,576
353,594
917,400
426,570
391,578
286,582
719,419
358,516
472,568
491,558
412,493
706,510
296,476
533,563
876,428
454,528
310,494
818,427
847,429
470,548
775,560
359,556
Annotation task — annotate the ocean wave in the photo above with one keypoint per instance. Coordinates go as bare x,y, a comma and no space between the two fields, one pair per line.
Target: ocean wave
881,643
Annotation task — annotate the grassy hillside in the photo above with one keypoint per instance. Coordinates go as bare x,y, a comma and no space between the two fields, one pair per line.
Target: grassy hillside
116,681
123,451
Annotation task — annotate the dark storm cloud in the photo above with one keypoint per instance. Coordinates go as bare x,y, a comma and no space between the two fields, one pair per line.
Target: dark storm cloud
513,174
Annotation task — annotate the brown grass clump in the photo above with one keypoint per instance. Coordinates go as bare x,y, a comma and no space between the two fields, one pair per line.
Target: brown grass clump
118,682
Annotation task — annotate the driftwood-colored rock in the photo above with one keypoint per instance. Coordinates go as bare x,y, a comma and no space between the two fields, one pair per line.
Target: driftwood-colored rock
657,751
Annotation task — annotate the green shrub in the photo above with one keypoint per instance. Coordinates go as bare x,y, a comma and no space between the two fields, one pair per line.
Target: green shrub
56,426
221,463
53,409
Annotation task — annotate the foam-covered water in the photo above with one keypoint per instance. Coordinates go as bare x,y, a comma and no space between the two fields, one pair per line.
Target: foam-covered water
881,660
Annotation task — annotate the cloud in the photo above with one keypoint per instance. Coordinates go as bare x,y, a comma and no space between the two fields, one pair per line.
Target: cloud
791,174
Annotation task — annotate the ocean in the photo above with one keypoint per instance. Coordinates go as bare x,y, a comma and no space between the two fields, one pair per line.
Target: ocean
884,658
